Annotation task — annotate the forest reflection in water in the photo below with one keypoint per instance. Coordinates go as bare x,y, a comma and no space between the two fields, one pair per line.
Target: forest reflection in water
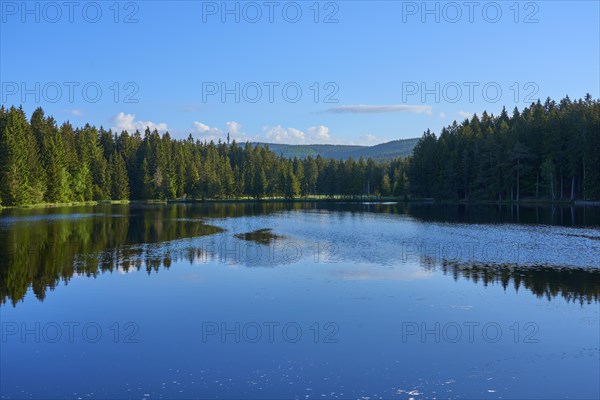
41,248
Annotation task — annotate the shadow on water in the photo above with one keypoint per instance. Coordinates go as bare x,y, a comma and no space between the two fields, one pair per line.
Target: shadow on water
584,216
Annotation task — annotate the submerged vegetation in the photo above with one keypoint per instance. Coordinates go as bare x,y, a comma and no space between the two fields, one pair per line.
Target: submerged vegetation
260,236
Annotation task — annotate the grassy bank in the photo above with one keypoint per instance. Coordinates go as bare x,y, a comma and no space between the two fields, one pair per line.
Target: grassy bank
324,199
70,204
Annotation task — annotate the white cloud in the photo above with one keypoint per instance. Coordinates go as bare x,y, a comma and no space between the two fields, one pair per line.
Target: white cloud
442,115
465,114
200,127
313,135
74,112
234,128
376,109
213,133
279,134
127,122
320,132
274,134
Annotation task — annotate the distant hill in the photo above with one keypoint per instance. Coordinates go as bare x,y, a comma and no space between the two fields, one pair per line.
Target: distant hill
380,152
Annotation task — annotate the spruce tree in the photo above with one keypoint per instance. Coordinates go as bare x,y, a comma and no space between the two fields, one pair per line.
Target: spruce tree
119,179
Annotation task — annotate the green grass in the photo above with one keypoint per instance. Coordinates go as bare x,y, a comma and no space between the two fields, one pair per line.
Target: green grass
320,198
68,204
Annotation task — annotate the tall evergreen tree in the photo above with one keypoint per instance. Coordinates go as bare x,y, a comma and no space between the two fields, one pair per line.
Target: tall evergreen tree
549,150
119,179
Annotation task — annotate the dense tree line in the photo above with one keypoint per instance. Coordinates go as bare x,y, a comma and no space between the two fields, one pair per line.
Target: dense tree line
42,162
547,151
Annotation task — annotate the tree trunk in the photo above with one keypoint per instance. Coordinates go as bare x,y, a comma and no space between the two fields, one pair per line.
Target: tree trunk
583,186
552,187
561,186
573,188
537,185
518,179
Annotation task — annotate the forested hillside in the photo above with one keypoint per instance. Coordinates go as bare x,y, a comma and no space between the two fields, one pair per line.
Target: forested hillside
549,150
313,150
387,151
381,152
42,162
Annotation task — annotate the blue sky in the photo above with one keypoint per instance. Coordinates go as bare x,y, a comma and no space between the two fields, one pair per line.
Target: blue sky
347,72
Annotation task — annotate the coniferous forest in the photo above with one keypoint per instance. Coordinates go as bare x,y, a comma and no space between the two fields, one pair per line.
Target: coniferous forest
548,151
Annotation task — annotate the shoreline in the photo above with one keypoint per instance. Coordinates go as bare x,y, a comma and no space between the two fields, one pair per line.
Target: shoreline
375,200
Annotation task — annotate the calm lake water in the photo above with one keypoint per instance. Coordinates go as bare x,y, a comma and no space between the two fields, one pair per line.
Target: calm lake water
306,301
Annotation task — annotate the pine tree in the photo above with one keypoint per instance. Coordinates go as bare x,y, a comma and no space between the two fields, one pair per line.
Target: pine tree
120,181
15,188
260,183
386,187
291,184
548,150
58,179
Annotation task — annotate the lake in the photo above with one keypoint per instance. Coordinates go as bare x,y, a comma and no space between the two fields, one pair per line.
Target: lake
300,300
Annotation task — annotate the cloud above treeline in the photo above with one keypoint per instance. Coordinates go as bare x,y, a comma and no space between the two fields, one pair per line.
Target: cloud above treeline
379,109
128,122
319,134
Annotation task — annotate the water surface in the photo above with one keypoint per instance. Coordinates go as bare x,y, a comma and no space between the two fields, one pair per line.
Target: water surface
300,301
